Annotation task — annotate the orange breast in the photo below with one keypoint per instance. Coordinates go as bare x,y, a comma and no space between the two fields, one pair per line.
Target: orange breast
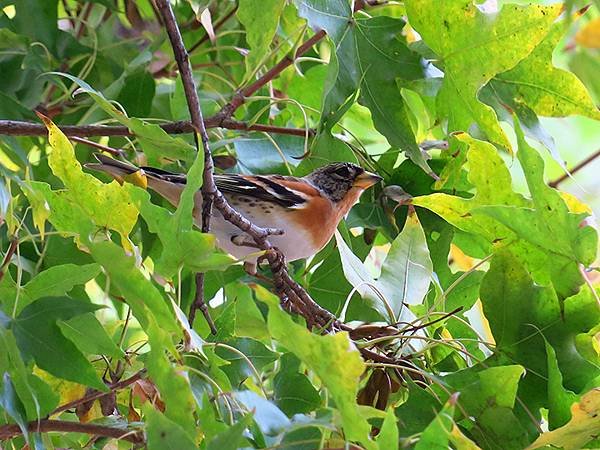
324,216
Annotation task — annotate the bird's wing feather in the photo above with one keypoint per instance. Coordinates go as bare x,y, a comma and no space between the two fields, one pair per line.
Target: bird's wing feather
271,189
260,187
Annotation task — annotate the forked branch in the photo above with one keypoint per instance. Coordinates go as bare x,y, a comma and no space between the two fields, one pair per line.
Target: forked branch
292,295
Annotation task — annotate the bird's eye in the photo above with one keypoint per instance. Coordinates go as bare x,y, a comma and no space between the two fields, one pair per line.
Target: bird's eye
343,172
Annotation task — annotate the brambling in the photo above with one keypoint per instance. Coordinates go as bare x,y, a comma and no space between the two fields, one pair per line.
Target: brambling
307,209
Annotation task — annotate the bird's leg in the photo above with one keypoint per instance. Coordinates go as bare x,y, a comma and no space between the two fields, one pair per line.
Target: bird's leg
250,267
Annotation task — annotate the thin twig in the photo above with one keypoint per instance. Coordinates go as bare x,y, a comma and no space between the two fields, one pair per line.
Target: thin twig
237,101
112,151
12,248
193,102
575,169
20,128
96,395
63,426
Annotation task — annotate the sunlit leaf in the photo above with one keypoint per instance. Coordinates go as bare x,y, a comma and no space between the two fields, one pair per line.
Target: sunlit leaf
546,89
582,428
317,352
473,47
260,18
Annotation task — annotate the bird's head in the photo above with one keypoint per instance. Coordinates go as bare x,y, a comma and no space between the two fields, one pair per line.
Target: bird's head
338,179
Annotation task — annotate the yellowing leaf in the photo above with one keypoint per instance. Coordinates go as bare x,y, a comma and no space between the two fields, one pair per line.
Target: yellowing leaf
40,208
473,47
583,426
108,206
546,89
574,204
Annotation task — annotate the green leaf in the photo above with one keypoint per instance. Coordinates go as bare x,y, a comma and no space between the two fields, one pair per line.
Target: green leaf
329,15
317,352
388,436
172,381
39,336
260,19
137,93
489,397
153,139
546,89
436,435
163,433
506,219
405,274
182,246
37,397
89,336
550,226
472,48
249,321
407,270
559,398
54,281
370,56
524,317
108,206
358,276
233,437
239,369
382,61
12,405
258,154
293,392
146,301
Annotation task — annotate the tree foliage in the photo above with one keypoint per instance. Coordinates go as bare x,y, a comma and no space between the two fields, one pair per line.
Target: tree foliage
470,317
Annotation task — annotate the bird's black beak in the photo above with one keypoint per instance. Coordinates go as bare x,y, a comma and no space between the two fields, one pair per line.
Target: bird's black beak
366,180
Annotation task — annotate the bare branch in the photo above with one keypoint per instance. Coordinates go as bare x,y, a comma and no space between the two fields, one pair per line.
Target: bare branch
63,426
104,148
208,183
19,128
575,169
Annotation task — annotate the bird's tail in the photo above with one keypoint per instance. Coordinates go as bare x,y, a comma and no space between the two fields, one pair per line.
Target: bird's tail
111,166
168,184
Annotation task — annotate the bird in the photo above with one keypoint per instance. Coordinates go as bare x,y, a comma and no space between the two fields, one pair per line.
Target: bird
307,209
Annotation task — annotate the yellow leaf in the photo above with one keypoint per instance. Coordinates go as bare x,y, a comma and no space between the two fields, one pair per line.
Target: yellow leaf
574,204
589,35
108,206
460,441
582,428
463,261
40,208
